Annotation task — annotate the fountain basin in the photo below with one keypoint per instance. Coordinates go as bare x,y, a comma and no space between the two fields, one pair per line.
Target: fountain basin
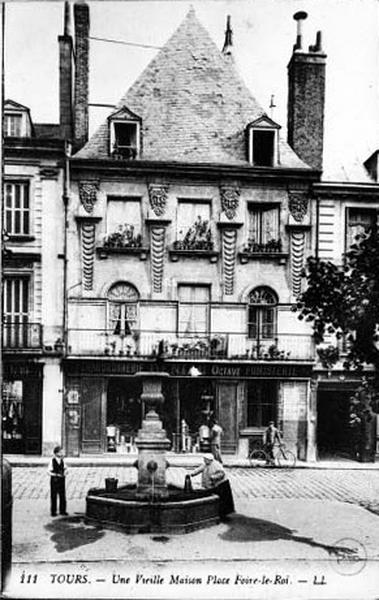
178,512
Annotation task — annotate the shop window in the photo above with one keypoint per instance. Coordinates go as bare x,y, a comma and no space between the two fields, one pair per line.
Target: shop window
193,309
123,308
261,403
17,208
359,221
262,314
16,312
12,410
264,228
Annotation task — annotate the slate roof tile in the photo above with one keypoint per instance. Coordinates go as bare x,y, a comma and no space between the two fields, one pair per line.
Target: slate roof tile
193,104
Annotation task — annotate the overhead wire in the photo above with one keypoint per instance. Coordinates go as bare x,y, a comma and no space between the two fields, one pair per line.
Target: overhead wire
100,39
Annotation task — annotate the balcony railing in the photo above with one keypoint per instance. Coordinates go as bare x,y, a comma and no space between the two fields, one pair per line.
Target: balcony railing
22,336
143,344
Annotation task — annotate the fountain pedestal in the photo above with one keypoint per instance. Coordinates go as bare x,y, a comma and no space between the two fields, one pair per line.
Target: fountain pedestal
152,505
152,442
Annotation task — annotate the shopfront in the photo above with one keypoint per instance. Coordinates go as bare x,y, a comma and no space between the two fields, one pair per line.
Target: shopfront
21,407
104,410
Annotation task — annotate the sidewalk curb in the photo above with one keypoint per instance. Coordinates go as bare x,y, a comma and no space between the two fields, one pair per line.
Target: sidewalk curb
187,461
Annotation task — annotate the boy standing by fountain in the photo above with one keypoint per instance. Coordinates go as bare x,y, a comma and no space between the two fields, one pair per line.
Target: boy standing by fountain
57,472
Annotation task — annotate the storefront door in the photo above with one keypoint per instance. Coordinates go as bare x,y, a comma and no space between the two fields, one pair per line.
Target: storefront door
227,415
124,410
93,415
335,438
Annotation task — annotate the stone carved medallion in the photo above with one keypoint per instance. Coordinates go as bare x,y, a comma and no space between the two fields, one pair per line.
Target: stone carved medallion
88,193
229,200
298,205
158,198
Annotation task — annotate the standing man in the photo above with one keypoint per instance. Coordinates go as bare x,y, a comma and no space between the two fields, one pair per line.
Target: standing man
57,472
216,433
271,436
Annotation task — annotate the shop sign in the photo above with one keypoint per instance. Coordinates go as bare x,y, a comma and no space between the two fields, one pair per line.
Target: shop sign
181,369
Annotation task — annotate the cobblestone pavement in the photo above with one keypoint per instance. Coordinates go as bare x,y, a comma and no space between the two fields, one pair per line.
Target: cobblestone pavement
358,487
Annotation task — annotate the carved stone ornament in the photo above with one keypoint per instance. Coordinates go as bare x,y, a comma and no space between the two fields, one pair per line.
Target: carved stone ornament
88,193
88,252
298,205
158,198
297,260
229,241
230,196
158,234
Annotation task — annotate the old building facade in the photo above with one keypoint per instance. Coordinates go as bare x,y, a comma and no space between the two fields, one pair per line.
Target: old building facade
189,222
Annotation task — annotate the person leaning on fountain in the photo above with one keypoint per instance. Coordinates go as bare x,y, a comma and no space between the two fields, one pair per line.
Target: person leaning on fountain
213,476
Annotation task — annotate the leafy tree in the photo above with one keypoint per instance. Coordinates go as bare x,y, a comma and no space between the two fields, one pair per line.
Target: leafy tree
344,300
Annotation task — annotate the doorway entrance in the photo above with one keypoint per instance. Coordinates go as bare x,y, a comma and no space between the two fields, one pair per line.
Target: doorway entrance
124,412
335,438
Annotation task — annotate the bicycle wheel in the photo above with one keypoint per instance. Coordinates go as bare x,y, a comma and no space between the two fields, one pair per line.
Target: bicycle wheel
286,458
257,458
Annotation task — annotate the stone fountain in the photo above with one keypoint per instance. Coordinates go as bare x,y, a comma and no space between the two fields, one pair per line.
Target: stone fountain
152,505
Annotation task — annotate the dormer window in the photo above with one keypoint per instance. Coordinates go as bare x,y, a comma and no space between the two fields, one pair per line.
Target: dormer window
263,142
12,125
124,134
17,121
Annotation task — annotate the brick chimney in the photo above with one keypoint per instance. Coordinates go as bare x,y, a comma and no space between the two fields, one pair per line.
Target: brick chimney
82,24
65,77
306,98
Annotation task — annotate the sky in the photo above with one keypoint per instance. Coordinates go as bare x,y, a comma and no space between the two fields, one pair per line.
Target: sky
264,33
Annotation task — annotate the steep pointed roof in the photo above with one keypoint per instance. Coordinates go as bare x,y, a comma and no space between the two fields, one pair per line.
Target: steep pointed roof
193,104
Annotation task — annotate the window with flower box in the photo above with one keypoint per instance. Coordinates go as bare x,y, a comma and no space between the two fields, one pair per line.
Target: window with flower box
263,234
124,222
193,226
262,314
359,221
193,317
123,308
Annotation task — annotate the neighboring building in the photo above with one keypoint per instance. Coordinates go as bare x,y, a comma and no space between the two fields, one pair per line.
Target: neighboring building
32,282
348,205
189,222
34,257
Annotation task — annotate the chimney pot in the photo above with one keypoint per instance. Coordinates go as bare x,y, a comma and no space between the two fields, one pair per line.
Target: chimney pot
299,16
318,46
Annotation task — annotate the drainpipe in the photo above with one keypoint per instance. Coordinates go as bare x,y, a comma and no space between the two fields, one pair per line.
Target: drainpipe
65,198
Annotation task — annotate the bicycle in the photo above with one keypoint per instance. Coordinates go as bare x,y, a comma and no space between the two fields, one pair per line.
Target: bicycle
259,457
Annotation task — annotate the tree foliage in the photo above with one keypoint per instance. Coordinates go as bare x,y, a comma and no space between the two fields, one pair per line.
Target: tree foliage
344,300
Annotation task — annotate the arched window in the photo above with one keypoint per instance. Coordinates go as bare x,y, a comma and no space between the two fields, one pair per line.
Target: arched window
262,313
123,308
